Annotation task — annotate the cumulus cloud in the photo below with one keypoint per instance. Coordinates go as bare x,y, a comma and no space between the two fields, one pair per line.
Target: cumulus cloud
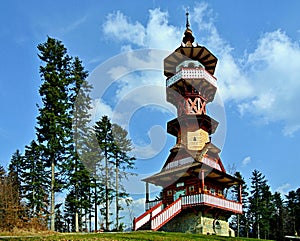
274,74
118,26
263,83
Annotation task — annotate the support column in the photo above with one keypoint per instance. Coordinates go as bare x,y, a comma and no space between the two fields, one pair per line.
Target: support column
240,194
147,192
202,180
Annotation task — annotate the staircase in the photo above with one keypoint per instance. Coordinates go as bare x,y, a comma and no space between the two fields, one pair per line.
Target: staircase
157,217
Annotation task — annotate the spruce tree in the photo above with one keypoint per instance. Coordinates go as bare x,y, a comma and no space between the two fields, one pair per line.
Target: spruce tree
81,105
15,170
36,181
261,204
123,162
103,131
54,120
240,223
277,218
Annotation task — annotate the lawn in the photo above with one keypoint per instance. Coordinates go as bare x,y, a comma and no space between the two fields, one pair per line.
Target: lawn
140,235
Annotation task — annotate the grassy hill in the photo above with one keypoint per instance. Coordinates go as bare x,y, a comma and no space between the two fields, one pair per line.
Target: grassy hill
140,235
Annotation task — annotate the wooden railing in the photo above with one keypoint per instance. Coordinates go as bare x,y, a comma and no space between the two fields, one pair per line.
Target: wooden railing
151,204
165,215
159,216
210,200
146,216
191,73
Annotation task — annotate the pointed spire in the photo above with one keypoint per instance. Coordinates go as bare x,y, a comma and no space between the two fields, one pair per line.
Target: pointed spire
188,38
187,19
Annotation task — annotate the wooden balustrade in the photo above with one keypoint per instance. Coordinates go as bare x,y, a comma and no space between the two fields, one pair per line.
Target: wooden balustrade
146,216
165,215
159,216
206,199
151,204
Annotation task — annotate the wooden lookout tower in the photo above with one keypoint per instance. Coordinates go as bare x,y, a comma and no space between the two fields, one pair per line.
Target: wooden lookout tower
193,178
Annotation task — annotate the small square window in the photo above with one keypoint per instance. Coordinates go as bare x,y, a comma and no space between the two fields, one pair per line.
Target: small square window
169,192
191,188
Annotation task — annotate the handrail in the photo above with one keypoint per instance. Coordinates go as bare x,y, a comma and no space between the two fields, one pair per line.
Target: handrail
191,73
201,198
165,215
146,216
151,204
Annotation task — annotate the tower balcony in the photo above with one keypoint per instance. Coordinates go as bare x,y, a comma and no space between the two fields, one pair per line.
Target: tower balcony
198,78
203,199
192,73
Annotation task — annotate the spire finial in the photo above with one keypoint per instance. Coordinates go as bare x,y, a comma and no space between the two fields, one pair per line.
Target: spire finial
188,38
187,18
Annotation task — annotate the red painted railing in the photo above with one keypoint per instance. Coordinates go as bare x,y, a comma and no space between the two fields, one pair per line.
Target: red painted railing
146,216
165,215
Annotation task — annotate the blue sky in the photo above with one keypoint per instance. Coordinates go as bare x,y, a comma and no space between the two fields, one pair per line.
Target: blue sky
257,44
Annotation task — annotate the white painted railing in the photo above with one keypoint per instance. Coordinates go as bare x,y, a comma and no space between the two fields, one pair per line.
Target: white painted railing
165,215
192,73
146,217
151,204
211,163
222,203
200,199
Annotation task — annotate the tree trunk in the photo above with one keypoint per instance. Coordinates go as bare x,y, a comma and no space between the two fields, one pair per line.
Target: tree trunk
106,194
117,196
238,225
96,206
52,213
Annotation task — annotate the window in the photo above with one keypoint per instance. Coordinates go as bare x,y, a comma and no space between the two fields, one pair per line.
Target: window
191,65
180,184
191,188
218,224
212,191
220,193
205,188
169,193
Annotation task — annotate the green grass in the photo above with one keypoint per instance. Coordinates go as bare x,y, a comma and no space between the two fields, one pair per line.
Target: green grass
140,235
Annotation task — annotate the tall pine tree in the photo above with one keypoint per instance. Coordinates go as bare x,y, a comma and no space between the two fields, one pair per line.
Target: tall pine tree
103,131
240,223
261,205
54,120
36,181
123,162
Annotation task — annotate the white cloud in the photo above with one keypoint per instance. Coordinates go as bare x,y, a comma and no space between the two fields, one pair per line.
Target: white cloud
274,73
118,26
284,188
246,161
264,83
158,33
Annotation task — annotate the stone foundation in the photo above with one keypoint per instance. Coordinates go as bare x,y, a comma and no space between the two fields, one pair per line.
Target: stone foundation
190,222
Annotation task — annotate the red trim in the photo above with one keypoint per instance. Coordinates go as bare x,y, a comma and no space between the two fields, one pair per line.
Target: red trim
148,211
167,220
164,210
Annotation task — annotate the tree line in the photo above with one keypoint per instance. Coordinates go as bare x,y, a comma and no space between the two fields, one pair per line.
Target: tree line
266,215
86,164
